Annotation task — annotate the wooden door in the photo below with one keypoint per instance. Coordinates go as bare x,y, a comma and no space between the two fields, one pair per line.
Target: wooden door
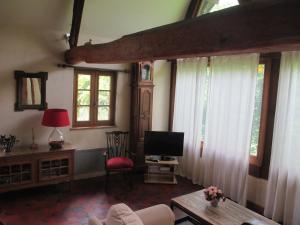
145,111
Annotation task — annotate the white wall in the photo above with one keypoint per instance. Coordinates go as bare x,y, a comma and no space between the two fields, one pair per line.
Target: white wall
161,95
40,50
257,189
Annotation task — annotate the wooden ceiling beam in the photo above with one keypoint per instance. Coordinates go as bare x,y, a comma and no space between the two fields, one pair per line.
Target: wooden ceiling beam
193,9
244,1
264,26
76,21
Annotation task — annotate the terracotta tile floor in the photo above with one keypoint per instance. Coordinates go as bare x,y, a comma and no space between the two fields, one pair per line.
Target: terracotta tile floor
60,206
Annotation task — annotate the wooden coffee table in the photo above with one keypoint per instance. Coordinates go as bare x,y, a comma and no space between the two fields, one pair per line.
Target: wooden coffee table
200,212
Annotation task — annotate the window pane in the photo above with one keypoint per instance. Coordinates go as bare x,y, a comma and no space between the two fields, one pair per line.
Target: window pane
83,98
83,113
206,87
84,81
104,98
212,6
257,109
223,4
104,82
103,113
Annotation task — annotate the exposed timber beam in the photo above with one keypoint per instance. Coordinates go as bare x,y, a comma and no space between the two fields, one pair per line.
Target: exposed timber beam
244,1
263,26
91,68
76,21
193,9
173,73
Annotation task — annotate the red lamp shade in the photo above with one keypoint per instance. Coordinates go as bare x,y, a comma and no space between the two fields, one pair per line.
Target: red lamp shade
56,118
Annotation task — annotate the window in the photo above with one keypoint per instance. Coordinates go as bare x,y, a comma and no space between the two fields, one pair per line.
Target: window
208,6
263,116
205,104
260,112
223,4
206,88
94,98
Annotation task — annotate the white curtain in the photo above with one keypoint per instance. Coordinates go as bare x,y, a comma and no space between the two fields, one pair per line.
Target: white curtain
229,122
188,111
283,192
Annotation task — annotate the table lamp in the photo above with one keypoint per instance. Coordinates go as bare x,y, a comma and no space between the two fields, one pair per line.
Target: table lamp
56,118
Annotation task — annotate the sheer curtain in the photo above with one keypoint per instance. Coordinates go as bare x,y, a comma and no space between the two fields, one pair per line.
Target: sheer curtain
188,112
283,192
229,121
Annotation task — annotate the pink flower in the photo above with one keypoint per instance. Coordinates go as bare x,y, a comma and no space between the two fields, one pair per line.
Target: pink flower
213,192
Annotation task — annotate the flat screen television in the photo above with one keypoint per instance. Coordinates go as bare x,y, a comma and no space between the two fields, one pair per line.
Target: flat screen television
163,143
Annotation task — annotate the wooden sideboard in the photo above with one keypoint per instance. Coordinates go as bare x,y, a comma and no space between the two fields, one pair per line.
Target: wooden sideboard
24,167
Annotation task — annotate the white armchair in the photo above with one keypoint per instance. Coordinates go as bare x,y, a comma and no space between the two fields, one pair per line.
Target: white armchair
155,215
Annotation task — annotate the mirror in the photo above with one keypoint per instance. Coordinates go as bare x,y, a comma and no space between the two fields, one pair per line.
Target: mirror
31,90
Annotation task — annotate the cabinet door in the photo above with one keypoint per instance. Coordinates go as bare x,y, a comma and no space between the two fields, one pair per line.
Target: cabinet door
145,111
55,168
16,173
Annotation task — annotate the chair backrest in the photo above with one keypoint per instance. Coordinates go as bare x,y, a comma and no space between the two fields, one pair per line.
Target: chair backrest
117,144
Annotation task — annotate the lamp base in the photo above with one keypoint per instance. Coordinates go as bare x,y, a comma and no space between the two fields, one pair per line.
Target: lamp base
56,139
56,144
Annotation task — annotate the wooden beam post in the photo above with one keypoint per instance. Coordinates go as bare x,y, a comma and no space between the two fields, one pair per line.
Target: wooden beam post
76,21
172,93
264,26
193,9
244,1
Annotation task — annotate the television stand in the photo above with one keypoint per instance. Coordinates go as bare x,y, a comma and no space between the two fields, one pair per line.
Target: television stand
167,158
160,171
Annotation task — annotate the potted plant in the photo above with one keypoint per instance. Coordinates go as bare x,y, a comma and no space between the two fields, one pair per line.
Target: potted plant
214,195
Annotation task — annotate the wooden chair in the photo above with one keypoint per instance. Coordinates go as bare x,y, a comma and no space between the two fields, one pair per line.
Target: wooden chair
118,157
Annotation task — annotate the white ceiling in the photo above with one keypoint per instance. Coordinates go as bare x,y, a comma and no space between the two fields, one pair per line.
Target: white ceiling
109,19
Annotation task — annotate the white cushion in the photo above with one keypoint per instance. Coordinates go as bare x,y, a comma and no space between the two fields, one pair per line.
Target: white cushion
121,214
94,221
132,219
157,215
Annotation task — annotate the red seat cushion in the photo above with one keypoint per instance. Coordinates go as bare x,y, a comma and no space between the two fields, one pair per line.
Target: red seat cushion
119,163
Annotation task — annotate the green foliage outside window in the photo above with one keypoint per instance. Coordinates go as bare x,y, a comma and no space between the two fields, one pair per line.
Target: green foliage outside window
257,110
84,95
84,82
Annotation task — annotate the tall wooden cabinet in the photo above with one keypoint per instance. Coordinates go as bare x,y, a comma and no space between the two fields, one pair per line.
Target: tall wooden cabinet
141,107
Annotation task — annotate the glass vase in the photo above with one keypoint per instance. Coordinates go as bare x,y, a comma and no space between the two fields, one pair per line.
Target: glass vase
56,139
214,203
